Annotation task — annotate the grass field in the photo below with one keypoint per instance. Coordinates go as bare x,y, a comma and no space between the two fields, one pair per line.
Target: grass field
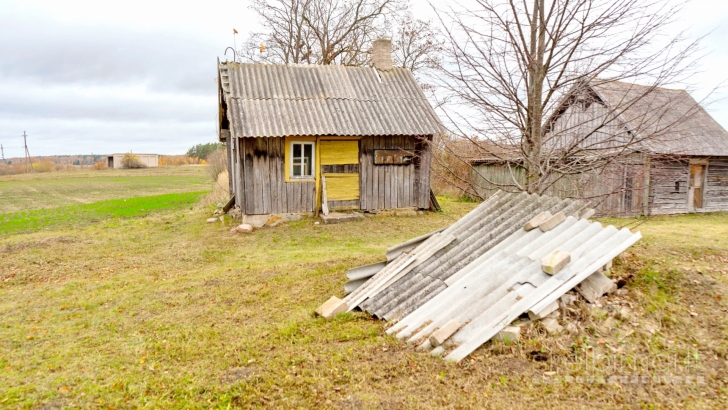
165,311
25,192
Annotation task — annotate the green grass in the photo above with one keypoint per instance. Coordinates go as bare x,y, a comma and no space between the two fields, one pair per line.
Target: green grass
166,311
50,190
75,216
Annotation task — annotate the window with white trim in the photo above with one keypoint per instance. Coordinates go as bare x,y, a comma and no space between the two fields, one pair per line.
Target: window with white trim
302,160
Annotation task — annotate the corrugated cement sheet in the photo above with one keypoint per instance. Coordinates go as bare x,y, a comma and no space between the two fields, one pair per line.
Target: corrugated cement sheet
507,281
266,100
415,277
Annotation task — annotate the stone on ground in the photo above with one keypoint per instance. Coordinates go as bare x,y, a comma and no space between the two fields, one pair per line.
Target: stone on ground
508,334
211,220
551,325
244,228
258,221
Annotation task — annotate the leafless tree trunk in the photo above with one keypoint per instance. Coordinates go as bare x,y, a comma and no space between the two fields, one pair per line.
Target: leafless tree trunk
509,64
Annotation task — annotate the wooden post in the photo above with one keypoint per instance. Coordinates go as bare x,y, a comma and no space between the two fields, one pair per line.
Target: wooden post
324,202
646,189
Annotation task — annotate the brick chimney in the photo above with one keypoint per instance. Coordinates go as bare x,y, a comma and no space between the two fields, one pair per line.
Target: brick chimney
382,54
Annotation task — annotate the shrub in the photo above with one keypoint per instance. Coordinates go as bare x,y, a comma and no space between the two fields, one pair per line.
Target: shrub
99,165
217,163
132,161
44,166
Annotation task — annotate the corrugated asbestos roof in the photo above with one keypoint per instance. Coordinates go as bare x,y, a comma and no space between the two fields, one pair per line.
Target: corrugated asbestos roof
485,271
266,100
413,278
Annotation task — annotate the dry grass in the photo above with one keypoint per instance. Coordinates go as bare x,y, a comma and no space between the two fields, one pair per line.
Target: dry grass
220,193
167,311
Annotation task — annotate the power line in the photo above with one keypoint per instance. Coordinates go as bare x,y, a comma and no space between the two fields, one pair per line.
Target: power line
28,160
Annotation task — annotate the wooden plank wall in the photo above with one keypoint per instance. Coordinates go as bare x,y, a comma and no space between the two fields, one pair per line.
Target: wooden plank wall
394,186
716,187
664,198
262,183
608,190
591,125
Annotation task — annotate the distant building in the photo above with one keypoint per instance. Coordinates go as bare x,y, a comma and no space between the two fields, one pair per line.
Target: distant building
114,160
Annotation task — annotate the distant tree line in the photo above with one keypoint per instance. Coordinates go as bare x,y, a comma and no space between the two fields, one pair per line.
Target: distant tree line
201,151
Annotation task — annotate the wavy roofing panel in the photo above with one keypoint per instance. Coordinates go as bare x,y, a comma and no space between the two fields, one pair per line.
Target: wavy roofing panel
507,281
484,271
413,278
266,100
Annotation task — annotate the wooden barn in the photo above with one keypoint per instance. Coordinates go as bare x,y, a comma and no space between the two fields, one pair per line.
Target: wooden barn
301,135
679,163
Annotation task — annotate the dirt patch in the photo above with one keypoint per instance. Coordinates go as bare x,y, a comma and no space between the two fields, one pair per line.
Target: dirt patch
237,374
42,243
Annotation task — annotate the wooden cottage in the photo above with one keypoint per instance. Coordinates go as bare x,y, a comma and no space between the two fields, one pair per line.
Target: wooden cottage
678,162
298,135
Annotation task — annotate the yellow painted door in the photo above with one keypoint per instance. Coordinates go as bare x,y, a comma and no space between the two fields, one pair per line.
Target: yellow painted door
340,166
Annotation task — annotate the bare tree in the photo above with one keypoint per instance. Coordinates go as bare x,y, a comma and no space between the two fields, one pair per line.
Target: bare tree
416,45
319,31
510,63
340,32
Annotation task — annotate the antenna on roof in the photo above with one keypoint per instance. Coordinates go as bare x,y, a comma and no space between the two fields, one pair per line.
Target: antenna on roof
28,160
235,46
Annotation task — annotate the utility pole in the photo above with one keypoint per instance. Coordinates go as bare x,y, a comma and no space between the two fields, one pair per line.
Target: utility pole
28,161
2,150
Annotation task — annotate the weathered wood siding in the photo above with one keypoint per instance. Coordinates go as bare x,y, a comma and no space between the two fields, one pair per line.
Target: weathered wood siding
615,190
394,186
716,186
587,124
263,184
669,181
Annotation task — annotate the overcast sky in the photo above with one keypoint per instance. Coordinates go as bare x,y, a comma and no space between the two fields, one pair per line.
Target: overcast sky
84,77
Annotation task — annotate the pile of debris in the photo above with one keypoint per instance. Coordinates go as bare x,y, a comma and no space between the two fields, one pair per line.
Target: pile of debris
515,254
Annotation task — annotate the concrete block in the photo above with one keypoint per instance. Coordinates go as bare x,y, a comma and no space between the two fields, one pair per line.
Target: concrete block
587,213
508,334
537,220
339,217
258,221
568,299
552,222
441,334
332,307
595,286
244,228
553,263
547,311
551,325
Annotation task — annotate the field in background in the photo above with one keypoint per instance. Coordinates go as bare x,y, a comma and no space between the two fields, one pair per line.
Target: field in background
25,192
165,310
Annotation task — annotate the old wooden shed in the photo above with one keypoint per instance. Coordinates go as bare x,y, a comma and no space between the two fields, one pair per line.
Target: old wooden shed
679,163
296,134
